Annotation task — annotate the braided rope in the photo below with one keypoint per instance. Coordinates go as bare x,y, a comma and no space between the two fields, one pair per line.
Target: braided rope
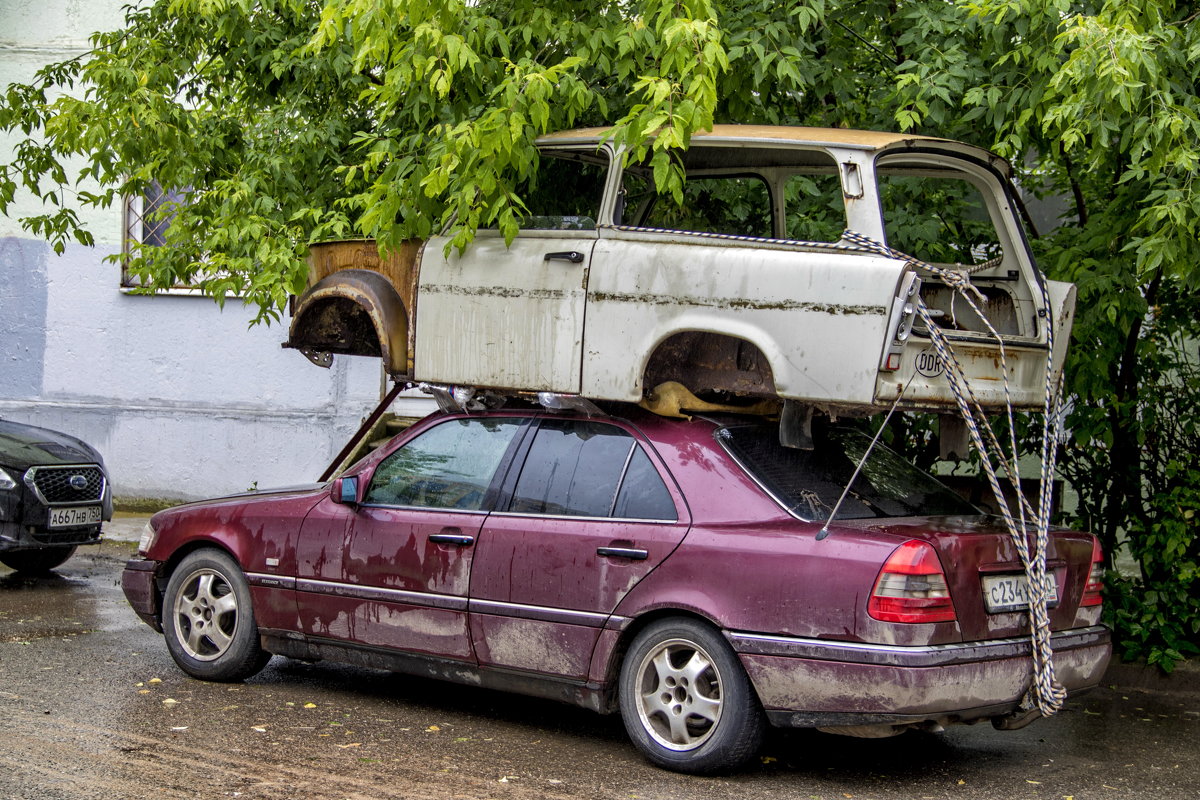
737,237
1045,692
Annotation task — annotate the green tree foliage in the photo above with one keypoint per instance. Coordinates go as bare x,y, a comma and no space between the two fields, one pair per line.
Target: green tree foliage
288,121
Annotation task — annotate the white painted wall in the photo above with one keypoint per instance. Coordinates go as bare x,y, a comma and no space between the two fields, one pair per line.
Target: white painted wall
183,399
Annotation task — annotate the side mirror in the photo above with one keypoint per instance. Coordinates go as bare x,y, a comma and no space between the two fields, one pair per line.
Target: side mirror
345,491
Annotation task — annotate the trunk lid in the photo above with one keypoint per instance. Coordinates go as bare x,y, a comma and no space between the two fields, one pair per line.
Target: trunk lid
975,551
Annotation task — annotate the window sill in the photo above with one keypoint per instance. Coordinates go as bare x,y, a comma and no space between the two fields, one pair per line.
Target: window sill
176,291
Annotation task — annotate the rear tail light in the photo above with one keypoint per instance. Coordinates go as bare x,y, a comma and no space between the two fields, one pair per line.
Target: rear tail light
1095,581
911,587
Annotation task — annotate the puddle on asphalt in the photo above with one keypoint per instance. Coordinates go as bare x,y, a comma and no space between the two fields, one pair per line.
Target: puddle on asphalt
76,598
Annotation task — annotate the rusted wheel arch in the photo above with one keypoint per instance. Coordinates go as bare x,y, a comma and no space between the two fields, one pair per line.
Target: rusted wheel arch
353,312
706,362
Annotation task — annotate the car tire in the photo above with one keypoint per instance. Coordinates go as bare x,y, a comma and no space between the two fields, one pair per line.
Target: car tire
37,561
686,701
208,621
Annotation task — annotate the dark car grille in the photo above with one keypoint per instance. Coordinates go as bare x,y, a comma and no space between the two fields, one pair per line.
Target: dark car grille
54,484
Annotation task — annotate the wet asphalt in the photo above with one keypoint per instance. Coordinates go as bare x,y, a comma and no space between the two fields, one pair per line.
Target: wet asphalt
93,707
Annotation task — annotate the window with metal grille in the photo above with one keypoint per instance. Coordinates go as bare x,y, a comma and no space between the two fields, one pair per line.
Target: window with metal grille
147,218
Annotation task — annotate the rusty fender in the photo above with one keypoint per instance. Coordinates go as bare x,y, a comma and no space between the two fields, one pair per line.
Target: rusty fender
321,323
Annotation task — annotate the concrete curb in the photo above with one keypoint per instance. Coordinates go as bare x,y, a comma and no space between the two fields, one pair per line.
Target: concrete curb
1137,676
125,527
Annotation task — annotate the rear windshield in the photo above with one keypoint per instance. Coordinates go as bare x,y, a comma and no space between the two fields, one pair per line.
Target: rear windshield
809,482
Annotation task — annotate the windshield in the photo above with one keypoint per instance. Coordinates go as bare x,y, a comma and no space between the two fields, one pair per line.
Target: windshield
809,482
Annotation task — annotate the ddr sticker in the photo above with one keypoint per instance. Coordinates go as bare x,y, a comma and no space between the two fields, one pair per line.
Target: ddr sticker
930,364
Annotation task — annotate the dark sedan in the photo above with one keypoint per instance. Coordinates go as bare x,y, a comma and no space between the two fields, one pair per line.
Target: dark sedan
672,570
54,496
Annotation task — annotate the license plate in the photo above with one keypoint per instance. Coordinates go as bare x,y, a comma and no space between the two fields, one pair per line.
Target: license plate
74,516
1011,592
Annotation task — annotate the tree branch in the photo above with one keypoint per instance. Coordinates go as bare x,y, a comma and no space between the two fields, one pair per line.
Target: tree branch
1081,210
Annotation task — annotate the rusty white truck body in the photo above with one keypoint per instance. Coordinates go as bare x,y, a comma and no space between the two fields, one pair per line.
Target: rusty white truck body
749,290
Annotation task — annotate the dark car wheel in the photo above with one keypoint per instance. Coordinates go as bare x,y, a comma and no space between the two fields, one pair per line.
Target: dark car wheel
686,702
208,621
41,560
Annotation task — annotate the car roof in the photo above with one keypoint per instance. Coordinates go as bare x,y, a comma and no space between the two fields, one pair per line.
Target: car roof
797,136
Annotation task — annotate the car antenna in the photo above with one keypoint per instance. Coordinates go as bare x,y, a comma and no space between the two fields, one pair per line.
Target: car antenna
824,532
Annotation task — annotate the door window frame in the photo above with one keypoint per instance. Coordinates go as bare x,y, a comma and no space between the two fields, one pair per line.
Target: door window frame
507,488
499,475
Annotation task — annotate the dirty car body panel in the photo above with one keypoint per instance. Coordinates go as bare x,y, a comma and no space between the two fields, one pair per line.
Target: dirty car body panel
541,552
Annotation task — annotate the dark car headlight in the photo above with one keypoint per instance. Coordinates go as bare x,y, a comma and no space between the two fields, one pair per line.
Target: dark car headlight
7,483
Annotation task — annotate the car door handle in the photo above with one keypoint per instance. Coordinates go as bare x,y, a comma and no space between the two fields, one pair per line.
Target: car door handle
632,553
574,256
452,538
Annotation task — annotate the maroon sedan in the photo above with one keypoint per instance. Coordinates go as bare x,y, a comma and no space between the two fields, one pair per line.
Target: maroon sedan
668,569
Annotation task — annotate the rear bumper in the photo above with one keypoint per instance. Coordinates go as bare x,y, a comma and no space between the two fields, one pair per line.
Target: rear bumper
139,582
816,683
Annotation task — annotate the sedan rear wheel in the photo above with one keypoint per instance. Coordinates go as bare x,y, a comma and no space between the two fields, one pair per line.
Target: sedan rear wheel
208,621
685,700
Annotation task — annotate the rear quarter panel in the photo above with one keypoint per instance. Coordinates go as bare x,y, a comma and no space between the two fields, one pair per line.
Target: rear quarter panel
820,317
779,579
747,565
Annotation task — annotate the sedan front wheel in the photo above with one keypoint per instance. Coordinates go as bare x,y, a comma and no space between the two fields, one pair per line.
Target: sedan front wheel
208,622
685,700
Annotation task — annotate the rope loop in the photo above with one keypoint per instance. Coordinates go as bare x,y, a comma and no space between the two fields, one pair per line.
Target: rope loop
1045,692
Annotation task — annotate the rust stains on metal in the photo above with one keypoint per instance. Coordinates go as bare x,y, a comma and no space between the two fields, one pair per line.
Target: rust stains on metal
740,303
353,312
710,362
400,266
325,258
493,291
955,314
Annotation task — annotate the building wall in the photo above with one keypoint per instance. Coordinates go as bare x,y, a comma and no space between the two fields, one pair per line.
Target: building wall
184,399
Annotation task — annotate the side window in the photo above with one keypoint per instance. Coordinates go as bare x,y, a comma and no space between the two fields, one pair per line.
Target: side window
735,205
942,220
147,218
565,194
573,469
816,211
643,494
448,466
586,469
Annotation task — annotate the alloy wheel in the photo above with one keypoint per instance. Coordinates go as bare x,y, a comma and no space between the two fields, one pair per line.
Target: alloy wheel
206,614
679,694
